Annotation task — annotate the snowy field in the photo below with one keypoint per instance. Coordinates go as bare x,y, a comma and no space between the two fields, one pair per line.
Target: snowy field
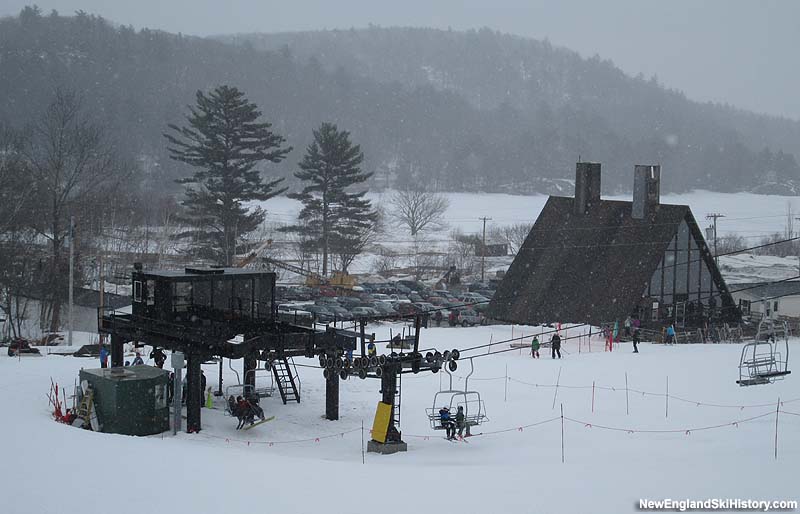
709,439
747,214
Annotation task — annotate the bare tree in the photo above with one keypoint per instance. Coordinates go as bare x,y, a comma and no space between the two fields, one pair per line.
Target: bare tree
512,235
419,210
69,160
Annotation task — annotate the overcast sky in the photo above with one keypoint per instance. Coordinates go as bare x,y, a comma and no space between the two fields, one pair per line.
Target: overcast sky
743,52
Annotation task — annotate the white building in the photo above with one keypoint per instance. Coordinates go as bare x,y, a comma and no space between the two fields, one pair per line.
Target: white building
757,298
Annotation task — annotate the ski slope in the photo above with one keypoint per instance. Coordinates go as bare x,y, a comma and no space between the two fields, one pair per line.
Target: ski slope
302,463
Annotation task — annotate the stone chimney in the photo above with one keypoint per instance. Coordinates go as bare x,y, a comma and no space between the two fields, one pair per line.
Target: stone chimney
646,190
587,186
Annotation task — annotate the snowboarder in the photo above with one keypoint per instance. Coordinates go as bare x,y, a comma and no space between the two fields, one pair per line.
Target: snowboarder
138,360
636,340
243,413
159,357
535,347
460,422
447,422
555,345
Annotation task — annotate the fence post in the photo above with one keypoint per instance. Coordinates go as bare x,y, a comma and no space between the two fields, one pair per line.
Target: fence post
627,405
777,410
562,433
505,386
558,380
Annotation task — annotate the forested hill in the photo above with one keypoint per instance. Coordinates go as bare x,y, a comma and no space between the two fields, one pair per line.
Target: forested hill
473,111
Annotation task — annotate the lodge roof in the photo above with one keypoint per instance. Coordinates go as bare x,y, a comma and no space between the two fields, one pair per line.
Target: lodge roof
586,268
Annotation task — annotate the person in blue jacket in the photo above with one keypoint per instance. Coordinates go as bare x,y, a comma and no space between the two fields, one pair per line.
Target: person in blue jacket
670,335
447,422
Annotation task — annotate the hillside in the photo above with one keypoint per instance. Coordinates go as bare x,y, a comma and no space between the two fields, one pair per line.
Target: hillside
474,111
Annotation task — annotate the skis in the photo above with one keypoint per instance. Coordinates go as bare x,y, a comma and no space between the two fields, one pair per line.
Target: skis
248,427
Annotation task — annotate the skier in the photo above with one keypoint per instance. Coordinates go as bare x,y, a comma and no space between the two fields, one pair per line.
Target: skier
138,360
158,357
535,347
555,345
447,422
628,323
670,335
635,340
460,422
438,318
103,357
371,351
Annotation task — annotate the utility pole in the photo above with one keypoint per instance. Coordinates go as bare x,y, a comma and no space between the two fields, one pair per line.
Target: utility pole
483,248
798,250
71,276
714,216
101,311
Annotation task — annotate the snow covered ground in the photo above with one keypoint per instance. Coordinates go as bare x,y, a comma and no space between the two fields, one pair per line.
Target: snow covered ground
751,216
748,214
302,463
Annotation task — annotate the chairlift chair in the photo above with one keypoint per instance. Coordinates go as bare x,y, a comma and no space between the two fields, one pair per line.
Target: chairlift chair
474,407
764,361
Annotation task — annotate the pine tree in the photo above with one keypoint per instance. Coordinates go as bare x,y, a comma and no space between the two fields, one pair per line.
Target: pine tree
339,220
224,142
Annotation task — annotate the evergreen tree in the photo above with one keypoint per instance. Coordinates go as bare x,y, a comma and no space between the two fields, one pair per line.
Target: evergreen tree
339,220
225,142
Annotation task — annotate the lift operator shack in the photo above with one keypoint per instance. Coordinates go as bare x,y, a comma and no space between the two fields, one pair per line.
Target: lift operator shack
217,312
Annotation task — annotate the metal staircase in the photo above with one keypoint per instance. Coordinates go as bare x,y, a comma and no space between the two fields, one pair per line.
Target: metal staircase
286,381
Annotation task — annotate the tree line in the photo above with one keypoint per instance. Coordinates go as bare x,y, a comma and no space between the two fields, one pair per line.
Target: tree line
474,111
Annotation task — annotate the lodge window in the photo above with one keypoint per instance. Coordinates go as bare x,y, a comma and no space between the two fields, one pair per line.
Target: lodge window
744,306
137,291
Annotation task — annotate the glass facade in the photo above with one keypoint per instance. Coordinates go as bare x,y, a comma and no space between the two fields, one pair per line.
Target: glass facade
683,276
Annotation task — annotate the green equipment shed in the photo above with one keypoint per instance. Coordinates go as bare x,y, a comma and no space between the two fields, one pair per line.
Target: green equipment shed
130,400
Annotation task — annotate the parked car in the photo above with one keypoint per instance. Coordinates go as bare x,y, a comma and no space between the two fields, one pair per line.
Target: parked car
364,312
415,297
385,308
380,297
469,317
407,309
321,313
349,302
340,312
